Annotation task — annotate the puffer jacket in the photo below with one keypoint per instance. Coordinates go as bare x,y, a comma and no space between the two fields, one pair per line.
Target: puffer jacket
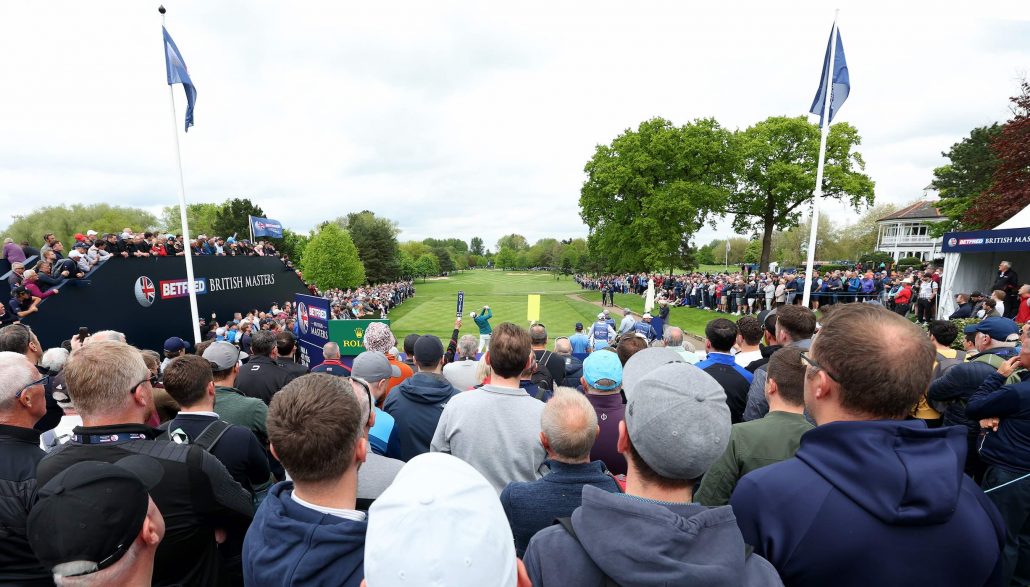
20,447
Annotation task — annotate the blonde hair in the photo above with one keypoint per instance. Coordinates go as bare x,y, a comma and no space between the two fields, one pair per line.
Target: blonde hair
100,376
998,295
483,371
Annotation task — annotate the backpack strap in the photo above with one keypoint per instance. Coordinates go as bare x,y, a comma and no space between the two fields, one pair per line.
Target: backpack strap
567,524
163,427
212,434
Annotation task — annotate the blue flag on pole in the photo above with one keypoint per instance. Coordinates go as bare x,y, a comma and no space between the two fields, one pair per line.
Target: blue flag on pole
841,81
177,74
266,227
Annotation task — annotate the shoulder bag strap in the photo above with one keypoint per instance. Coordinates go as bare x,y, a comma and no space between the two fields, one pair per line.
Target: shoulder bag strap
212,434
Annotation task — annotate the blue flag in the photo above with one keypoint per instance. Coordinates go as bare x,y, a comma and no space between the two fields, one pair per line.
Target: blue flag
177,74
266,227
841,81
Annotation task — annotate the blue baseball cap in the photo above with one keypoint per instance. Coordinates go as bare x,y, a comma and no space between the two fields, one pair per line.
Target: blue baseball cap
995,327
579,326
603,370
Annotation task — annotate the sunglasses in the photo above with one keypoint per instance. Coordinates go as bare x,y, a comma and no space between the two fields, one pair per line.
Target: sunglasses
371,402
807,360
44,380
151,378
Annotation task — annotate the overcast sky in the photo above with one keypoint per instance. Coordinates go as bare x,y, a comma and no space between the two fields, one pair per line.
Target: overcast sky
462,118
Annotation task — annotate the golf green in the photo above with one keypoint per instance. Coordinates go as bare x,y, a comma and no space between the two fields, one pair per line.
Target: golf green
562,304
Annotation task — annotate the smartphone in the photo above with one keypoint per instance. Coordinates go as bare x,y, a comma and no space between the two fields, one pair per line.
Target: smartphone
83,333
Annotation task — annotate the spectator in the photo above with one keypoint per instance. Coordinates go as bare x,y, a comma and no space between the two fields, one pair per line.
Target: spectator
749,335
794,326
19,338
643,328
550,365
995,340
1023,313
720,335
114,540
626,325
286,345
673,338
165,408
308,530
601,333
494,428
379,471
866,479
374,370
462,371
189,381
417,403
629,346
471,542
963,308
1005,453
262,377
22,302
602,382
12,252
409,351
196,494
903,298
568,429
379,337
573,366
482,320
30,281
770,439
22,404
174,347
15,278
331,363
1008,283
580,342
1000,300
677,424
942,334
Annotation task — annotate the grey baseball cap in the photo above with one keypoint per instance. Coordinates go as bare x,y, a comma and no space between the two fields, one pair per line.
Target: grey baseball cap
643,363
373,366
223,355
678,420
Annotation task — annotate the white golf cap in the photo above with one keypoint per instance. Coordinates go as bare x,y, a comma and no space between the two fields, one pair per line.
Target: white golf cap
600,316
439,523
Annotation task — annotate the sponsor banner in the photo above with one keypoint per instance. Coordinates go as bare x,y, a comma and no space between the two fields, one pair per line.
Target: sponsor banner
178,288
313,324
266,227
987,241
350,335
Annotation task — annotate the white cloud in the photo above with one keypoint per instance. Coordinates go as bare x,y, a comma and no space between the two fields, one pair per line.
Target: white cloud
462,118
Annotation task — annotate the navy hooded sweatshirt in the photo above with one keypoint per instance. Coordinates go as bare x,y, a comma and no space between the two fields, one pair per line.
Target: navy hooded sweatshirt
641,542
289,544
416,404
873,503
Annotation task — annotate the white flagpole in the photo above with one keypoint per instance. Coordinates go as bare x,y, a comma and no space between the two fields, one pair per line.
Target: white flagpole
250,222
824,131
191,281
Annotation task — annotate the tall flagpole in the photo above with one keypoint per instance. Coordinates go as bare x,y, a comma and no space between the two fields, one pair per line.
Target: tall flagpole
191,282
824,131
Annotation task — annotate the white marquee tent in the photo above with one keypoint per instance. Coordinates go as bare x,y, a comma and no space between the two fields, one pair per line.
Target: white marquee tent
971,258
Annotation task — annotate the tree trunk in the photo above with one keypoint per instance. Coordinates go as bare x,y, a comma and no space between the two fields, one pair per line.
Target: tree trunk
766,243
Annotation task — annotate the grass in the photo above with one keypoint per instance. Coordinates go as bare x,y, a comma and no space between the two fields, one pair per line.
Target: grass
432,309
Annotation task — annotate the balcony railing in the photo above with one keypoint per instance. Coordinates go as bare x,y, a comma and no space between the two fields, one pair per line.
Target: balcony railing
923,240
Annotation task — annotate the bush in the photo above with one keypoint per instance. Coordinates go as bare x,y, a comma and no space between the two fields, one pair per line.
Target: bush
959,323
832,267
909,262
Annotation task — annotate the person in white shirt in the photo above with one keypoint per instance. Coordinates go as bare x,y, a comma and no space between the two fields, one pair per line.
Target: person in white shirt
749,334
462,372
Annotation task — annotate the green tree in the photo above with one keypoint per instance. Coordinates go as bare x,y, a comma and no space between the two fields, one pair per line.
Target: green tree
854,240
376,240
476,246
515,242
706,254
777,177
652,187
232,218
331,260
65,221
506,258
414,249
444,261
201,217
407,264
753,252
427,265
967,175
292,245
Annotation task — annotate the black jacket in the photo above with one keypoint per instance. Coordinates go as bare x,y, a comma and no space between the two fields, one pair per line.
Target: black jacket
21,454
195,495
573,372
958,384
292,367
262,378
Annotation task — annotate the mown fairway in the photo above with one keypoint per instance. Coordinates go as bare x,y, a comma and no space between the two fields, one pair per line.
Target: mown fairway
431,311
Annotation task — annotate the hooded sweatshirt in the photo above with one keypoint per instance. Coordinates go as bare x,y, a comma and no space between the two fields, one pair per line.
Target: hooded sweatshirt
290,544
636,541
873,503
416,405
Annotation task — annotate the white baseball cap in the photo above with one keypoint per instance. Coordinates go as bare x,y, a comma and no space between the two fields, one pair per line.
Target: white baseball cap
600,316
439,523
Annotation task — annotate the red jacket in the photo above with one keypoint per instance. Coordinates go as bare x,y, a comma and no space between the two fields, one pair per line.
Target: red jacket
904,296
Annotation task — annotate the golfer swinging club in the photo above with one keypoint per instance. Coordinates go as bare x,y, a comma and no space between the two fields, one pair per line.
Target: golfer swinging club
483,322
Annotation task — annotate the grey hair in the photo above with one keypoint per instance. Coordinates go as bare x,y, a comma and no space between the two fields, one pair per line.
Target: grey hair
467,346
331,350
673,336
54,359
537,334
70,574
1007,264
106,335
569,423
562,346
15,373
8,240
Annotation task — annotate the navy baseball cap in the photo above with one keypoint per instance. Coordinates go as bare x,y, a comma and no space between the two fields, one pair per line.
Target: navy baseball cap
996,327
175,343
579,326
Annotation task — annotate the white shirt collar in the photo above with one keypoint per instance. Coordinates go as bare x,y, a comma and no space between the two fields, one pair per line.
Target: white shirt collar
338,512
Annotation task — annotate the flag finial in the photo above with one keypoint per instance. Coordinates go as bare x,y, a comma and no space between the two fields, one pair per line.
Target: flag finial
161,9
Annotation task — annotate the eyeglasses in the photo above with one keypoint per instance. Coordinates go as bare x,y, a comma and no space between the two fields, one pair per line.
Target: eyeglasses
151,378
41,381
371,403
805,359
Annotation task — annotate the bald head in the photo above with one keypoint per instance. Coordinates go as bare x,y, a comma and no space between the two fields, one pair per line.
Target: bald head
569,424
331,351
562,346
673,336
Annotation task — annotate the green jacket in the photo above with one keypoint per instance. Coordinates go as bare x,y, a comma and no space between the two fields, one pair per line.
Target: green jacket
483,322
235,408
752,445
